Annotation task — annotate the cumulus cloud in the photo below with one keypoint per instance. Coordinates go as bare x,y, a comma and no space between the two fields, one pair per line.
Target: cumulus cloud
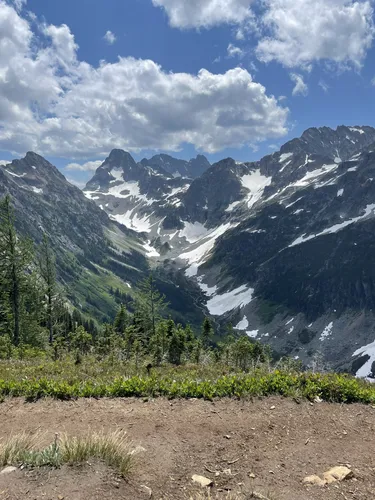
79,184
234,51
19,4
89,166
204,13
300,87
110,37
301,32
53,103
4,162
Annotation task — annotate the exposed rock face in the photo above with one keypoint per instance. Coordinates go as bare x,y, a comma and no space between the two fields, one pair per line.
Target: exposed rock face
282,247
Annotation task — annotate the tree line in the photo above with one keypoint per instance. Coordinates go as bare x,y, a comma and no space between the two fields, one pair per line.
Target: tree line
35,316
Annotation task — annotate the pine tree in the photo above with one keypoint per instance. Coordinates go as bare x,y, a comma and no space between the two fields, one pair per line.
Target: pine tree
121,321
47,265
176,346
207,332
16,256
151,305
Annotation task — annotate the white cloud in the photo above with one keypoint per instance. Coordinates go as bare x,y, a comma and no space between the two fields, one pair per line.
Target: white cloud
52,103
204,13
75,182
89,166
4,162
373,81
234,51
300,32
300,87
19,4
323,85
110,37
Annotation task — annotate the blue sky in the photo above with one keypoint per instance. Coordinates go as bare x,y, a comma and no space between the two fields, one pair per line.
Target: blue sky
271,70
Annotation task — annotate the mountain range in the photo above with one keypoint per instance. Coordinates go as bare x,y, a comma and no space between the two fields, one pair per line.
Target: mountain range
282,248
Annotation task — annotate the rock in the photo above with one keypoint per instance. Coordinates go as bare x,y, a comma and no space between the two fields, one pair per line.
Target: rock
137,449
339,473
252,475
272,407
203,481
8,470
147,490
227,472
314,480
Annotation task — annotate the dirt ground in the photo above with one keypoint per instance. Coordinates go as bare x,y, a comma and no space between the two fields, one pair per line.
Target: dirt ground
279,441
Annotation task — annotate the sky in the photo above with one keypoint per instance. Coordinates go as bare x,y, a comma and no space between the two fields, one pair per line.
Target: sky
222,78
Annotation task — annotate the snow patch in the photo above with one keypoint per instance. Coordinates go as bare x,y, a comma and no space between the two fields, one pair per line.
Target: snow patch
359,130
340,192
288,322
255,183
368,350
193,232
232,206
228,301
150,251
327,332
352,169
252,333
243,324
314,174
284,157
334,229
206,244
14,174
36,190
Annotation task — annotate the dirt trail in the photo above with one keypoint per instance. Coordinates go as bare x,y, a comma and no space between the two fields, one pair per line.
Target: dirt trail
277,440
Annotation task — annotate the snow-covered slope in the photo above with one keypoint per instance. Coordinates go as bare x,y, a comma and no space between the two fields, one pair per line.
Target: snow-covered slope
281,247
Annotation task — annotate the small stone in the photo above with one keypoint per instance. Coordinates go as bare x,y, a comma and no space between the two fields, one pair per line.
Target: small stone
8,470
314,480
137,449
147,490
252,475
203,481
272,407
227,472
339,473
227,436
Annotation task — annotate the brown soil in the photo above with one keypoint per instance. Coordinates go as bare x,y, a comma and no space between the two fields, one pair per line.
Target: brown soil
278,440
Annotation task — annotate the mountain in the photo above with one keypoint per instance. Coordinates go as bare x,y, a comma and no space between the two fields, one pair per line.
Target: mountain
281,247
179,168
95,255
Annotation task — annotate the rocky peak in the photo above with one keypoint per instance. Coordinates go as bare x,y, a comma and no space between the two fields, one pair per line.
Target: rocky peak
339,144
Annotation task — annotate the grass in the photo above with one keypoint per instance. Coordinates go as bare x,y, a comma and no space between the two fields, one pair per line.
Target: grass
96,378
113,449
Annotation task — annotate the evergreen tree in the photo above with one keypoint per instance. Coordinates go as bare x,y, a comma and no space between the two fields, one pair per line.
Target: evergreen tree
121,321
151,305
207,332
16,256
47,264
176,346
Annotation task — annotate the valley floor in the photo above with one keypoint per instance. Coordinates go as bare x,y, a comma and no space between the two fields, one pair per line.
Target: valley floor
278,441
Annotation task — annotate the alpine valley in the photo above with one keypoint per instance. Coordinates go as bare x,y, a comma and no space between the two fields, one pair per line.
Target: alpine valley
282,248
